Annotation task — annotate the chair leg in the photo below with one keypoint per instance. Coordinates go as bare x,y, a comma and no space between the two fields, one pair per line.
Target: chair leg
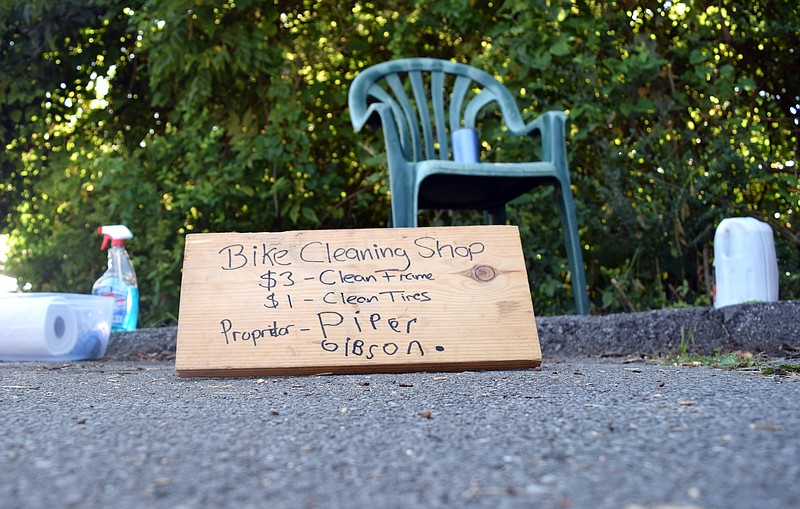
404,205
403,217
569,224
496,215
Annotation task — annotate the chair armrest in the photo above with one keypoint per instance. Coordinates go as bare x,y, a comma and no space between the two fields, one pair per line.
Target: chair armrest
361,118
392,138
551,126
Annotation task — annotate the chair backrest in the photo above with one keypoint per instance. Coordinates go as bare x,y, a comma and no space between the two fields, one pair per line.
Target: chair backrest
423,100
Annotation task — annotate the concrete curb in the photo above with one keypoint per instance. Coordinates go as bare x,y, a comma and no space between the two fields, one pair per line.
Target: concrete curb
769,328
766,328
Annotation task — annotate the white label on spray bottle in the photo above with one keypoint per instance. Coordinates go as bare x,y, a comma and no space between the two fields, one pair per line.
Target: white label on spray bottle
120,302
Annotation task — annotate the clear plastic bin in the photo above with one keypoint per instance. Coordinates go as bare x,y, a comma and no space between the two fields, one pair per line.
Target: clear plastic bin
78,325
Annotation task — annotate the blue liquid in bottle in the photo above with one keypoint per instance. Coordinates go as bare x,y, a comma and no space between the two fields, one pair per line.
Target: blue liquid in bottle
132,310
119,283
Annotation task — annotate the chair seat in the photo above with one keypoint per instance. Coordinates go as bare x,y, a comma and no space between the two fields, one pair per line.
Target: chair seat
451,185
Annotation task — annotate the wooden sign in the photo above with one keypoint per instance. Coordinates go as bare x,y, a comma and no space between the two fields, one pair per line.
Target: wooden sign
355,301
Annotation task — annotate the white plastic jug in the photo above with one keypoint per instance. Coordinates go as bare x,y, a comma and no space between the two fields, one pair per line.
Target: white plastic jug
744,262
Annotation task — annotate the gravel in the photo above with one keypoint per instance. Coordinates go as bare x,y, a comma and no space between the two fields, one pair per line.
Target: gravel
130,434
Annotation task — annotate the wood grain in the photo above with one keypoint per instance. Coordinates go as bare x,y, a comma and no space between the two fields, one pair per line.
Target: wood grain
355,301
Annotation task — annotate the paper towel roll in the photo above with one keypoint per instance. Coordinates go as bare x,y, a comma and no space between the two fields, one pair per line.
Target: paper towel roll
37,326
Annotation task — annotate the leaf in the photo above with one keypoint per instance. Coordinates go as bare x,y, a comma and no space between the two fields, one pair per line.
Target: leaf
698,56
310,215
561,48
747,84
644,105
294,212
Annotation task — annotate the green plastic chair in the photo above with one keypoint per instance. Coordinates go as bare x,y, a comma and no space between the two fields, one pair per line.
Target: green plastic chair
420,102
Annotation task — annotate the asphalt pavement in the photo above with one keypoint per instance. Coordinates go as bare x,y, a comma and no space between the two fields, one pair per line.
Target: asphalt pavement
623,429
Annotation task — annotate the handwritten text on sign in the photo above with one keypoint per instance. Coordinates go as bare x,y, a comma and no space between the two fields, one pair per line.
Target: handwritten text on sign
355,301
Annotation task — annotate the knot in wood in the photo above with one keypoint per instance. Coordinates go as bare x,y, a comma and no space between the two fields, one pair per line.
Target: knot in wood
483,273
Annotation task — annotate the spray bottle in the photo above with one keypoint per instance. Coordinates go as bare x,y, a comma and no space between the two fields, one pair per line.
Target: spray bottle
119,280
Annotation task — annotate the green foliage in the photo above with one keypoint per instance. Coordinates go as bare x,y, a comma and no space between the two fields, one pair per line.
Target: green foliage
719,360
183,116
782,370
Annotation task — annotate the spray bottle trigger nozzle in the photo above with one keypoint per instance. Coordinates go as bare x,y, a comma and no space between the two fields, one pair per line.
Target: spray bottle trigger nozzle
116,233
